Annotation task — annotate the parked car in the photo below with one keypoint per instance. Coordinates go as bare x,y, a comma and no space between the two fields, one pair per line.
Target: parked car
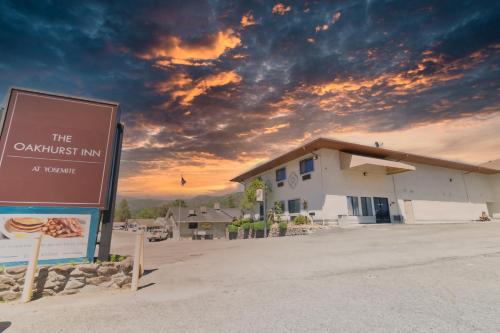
158,235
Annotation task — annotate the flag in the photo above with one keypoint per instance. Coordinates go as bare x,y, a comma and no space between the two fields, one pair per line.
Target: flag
183,181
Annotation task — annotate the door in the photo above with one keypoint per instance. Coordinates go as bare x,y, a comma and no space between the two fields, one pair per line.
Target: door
410,217
382,214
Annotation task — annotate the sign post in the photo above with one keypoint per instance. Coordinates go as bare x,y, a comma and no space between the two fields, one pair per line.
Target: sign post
59,159
108,215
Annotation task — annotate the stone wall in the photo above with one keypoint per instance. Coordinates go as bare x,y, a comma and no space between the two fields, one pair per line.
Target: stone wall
292,230
65,279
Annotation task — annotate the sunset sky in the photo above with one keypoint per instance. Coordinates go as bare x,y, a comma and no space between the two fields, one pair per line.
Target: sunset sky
211,88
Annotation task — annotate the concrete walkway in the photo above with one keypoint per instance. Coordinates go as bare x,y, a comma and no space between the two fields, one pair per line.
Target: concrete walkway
391,278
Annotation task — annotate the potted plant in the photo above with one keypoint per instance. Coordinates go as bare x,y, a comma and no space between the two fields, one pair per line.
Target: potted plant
232,231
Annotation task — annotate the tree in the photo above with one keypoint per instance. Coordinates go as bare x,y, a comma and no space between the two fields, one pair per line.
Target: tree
162,210
230,202
123,212
248,201
178,202
146,213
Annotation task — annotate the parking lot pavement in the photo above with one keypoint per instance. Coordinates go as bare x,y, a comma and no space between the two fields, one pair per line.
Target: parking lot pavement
385,278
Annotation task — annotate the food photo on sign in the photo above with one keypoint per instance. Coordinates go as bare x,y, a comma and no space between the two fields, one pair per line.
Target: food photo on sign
68,234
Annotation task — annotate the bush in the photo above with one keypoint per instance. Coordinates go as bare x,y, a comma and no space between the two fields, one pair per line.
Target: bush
232,228
283,225
116,258
246,226
237,222
300,219
258,226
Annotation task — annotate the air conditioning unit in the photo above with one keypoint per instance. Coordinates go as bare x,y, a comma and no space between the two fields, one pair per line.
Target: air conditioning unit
191,212
203,210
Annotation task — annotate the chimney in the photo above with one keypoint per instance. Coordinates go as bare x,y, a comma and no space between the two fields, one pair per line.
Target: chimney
217,206
203,209
191,212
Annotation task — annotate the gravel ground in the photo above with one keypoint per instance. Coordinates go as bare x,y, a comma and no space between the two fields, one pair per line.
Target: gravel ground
382,278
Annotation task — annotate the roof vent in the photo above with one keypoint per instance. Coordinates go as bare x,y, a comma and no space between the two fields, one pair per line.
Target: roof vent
217,206
191,212
203,209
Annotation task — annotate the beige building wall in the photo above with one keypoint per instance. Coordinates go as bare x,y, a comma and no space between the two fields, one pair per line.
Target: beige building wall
436,194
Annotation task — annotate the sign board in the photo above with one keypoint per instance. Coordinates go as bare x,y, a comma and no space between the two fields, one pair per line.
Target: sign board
68,234
56,150
259,195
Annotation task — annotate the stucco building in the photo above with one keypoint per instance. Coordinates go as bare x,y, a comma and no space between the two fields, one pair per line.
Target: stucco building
340,182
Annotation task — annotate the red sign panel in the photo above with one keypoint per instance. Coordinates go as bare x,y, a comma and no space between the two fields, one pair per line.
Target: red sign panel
56,150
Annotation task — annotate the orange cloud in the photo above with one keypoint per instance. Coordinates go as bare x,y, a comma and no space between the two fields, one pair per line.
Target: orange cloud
276,128
171,50
177,80
247,20
202,86
280,9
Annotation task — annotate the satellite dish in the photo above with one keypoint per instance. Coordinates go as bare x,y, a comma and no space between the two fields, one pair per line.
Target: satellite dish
378,144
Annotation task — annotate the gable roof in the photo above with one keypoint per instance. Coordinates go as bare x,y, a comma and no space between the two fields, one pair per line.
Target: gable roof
358,149
210,214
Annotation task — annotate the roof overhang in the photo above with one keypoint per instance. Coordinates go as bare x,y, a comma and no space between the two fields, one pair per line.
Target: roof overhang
354,148
372,165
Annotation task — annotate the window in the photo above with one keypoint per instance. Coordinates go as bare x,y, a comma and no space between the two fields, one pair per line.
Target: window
280,174
366,206
306,165
193,225
352,206
294,206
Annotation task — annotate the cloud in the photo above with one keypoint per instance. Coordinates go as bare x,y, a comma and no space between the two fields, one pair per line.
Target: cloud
204,94
281,9
247,20
171,50
190,90
276,128
336,17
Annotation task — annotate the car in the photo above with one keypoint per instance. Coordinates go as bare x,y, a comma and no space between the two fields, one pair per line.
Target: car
158,235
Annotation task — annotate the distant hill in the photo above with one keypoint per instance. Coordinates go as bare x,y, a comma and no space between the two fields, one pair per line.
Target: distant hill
226,201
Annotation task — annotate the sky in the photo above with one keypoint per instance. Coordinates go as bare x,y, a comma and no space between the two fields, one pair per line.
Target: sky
208,89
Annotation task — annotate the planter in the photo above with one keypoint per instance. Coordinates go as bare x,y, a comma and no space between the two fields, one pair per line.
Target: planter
246,234
233,235
259,233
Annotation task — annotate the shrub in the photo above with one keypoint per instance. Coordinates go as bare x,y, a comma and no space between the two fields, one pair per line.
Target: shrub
258,226
232,228
246,226
237,222
283,225
246,220
300,219
117,258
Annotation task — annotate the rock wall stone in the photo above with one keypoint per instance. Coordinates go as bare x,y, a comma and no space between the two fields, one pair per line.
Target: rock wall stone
292,230
65,279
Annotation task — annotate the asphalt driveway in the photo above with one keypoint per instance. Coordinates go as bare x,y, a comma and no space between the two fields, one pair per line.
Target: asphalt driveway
383,278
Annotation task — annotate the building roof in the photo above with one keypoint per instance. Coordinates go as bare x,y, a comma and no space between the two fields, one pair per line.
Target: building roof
205,214
146,222
355,148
